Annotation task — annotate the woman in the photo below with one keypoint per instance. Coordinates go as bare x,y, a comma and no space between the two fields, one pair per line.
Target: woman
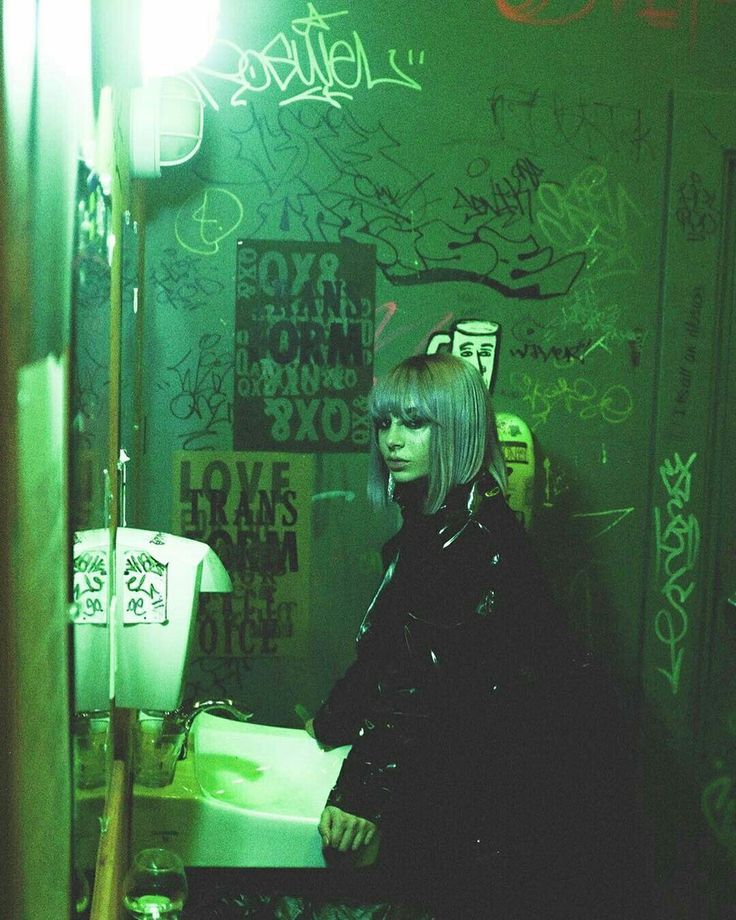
459,703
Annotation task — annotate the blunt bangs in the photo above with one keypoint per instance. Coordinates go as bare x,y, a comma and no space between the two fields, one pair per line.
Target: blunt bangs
404,394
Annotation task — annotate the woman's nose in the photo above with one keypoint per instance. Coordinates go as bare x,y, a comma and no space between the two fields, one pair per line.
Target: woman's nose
394,435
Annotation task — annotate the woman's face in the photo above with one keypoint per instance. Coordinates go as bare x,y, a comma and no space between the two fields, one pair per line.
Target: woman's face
404,447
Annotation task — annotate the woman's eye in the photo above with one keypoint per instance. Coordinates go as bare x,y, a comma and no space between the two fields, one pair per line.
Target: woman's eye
415,423
383,424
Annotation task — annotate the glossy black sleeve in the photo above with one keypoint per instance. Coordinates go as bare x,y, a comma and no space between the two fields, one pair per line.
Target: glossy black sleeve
339,718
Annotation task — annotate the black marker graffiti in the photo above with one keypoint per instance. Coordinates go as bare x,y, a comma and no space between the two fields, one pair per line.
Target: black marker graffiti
89,405
538,122
183,282
510,197
686,369
696,211
202,395
325,176
227,677
536,352
90,586
145,591
517,268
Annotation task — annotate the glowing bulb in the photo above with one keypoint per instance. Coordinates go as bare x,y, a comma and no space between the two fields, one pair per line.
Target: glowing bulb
176,34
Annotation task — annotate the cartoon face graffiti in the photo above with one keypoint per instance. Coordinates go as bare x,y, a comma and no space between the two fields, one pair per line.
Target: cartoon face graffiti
471,339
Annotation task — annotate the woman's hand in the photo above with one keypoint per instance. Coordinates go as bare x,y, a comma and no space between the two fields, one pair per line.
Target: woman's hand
348,833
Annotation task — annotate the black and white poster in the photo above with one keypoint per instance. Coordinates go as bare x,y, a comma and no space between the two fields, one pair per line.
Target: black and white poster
304,318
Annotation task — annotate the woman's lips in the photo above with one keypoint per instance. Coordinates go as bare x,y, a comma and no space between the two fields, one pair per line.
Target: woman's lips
397,464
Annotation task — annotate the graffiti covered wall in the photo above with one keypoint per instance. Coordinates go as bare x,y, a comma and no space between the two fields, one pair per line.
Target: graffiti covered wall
378,182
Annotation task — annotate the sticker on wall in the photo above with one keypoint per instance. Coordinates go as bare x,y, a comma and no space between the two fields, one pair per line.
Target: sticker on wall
517,446
471,339
304,317
254,510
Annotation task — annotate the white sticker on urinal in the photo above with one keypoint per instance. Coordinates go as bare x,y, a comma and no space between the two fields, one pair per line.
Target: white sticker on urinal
145,589
90,587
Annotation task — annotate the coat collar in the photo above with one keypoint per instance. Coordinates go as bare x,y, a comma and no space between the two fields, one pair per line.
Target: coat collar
461,506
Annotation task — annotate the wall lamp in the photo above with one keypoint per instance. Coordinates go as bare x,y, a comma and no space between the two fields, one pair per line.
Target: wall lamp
146,46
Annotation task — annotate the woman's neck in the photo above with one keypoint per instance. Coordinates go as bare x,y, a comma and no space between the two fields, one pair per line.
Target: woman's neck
411,496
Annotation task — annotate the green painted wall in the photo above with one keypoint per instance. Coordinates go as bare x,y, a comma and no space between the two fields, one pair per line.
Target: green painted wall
45,104
543,167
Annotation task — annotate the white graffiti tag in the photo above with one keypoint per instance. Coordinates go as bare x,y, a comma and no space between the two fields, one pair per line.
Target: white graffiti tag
310,64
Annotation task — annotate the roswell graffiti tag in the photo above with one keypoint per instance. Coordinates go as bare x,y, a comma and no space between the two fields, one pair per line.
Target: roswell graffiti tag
90,586
677,541
313,63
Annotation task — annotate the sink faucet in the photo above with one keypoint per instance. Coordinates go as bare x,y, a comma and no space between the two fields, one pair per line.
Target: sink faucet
186,715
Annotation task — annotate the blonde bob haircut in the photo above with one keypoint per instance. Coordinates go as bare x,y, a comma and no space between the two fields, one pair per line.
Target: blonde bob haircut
449,394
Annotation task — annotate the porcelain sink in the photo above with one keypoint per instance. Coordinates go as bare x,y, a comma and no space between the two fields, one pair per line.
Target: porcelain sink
246,795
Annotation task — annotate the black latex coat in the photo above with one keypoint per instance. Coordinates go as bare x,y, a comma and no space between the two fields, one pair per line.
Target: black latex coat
454,704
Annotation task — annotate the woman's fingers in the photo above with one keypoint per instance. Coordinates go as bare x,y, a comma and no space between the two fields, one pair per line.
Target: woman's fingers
343,831
359,838
346,829
326,825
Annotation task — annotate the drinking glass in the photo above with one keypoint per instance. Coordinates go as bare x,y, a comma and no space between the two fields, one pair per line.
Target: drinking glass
90,741
156,886
157,744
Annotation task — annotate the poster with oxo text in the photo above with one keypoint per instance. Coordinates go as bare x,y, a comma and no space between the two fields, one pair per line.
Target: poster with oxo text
254,510
304,317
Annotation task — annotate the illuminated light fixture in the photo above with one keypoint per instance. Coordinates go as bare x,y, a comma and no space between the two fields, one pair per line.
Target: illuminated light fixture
175,34
166,123
166,113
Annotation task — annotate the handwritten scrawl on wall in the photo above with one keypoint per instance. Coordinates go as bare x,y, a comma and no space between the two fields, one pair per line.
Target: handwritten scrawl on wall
677,542
304,345
254,510
581,125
